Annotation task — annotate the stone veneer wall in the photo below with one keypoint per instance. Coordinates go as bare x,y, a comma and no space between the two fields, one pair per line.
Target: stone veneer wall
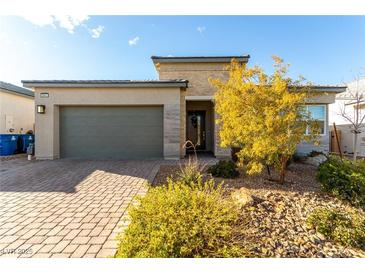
182,123
198,75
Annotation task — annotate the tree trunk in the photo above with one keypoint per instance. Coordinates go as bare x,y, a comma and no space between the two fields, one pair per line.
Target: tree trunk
355,146
284,159
268,171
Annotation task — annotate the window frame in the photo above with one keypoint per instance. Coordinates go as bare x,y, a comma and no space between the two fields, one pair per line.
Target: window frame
324,120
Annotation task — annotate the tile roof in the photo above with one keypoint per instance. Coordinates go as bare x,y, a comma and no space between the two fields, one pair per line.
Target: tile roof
106,83
16,89
200,59
330,88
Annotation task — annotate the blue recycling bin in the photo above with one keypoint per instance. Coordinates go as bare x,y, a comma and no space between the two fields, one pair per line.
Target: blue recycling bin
8,144
27,139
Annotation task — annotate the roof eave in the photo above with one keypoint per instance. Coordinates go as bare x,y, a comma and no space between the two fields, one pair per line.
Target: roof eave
34,84
202,59
30,96
330,89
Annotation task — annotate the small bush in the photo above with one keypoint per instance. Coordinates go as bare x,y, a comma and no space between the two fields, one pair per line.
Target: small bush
224,169
190,172
296,158
360,163
180,220
343,179
347,228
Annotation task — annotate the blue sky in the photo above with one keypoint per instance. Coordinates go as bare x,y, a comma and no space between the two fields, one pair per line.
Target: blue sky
324,49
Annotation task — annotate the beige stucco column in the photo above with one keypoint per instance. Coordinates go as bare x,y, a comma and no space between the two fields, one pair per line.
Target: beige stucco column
46,132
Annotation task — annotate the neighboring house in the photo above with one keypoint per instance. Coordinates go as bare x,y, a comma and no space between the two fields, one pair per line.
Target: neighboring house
343,126
16,109
143,119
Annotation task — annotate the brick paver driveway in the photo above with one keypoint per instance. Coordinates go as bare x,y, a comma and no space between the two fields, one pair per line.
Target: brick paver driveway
66,208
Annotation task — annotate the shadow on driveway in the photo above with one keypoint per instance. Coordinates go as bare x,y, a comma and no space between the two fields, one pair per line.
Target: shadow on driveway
20,175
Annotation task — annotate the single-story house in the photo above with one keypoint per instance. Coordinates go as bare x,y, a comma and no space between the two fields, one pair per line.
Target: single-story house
143,119
16,109
345,100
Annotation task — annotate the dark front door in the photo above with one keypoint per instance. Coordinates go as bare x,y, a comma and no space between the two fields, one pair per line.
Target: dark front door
196,129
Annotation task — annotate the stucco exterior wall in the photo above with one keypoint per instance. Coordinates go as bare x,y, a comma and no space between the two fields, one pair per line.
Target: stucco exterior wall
173,100
345,98
346,138
47,125
322,98
343,125
20,108
198,75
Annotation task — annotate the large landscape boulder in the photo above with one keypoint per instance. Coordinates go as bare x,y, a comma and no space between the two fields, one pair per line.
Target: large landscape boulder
316,160
242,197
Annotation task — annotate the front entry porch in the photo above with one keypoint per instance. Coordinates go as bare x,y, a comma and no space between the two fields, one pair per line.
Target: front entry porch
200,125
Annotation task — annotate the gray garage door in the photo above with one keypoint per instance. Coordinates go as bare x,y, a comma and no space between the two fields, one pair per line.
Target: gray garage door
111,132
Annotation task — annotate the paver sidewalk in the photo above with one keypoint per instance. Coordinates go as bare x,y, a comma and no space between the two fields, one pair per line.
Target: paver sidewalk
66,208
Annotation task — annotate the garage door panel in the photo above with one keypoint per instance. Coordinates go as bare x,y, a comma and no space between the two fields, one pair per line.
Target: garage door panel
111,132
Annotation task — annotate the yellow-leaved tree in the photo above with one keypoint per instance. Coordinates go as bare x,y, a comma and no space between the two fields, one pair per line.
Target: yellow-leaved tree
263,115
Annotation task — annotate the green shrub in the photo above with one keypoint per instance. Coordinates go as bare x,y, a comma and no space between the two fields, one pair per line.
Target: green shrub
224,169
343,179
180,220
360,163
296,158
347,228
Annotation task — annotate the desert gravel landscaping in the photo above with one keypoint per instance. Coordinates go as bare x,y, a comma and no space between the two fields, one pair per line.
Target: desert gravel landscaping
74,208
274,225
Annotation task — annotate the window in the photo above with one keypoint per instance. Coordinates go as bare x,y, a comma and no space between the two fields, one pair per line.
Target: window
318,113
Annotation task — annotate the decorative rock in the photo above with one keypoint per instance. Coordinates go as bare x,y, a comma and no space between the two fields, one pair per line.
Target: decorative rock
275,225
321,236
242,197
315,161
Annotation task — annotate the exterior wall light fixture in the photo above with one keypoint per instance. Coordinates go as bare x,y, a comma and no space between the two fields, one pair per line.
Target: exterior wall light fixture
41,109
